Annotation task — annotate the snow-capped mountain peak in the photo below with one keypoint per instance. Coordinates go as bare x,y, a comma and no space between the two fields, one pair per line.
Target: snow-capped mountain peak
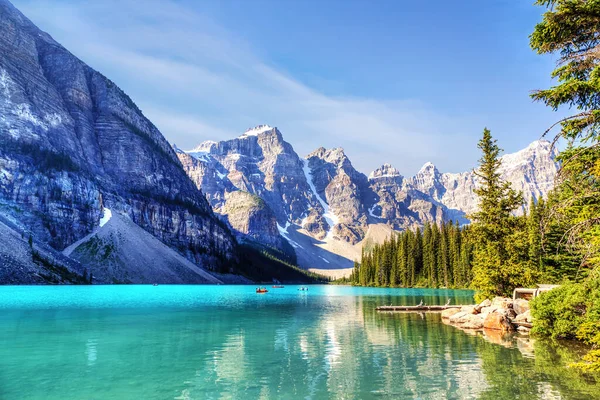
428,168
257,130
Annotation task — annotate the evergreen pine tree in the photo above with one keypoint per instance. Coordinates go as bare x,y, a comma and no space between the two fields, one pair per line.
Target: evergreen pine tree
493,224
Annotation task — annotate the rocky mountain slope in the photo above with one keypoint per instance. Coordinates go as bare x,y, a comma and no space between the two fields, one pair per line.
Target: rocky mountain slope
72,143
27,261
122,252
325,208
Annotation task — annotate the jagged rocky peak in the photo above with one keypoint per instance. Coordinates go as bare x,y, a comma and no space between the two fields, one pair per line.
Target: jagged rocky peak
538,149
261,163
385,171
336,156
428,170
429,181
344,189
204,147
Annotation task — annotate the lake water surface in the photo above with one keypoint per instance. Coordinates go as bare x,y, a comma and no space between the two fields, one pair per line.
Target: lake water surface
221,342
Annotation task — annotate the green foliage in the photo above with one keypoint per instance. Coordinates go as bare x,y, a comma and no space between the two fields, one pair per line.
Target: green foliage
570,28
577,202
438,257
501,256
572,311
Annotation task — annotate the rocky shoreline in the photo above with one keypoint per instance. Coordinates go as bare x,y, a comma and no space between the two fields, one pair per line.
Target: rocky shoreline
500,314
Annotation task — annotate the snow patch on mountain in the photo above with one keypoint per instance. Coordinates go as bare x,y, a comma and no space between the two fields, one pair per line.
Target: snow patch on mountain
5,82
525,156
220,175
371,211
204,147
199,155
283,231
257,130
106,216
329,216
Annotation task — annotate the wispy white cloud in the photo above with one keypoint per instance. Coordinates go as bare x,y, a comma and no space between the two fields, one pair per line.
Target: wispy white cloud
197,81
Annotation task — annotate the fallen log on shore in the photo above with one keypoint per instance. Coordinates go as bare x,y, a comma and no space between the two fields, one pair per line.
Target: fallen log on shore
416,308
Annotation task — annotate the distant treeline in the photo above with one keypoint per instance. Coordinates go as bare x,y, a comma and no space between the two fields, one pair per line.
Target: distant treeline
444,255
436,256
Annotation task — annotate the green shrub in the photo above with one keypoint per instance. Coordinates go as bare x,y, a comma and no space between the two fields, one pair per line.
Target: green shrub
572,311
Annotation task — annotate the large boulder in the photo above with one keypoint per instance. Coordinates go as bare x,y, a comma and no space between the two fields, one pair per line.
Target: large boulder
520,306
497,321
459,318
501,302
483,304
525,317
447,313
473,322
468,309
485,311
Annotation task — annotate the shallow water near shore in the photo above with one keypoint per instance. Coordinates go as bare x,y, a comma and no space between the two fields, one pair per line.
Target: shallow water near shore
212,342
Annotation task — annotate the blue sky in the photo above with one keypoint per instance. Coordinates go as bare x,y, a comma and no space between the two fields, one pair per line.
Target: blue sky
389,81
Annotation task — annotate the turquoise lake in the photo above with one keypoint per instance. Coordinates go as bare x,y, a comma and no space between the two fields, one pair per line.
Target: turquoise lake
223,342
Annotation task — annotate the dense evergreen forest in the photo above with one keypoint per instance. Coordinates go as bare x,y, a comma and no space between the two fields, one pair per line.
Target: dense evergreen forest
559,240
436,256
441,255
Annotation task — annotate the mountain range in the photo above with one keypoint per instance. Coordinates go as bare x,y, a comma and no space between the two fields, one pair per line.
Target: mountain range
88,185
326,209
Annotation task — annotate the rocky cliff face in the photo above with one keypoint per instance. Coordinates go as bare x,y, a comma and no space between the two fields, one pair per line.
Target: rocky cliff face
324,198
71,142
530,171
260,163
398,203
251,217
344,190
